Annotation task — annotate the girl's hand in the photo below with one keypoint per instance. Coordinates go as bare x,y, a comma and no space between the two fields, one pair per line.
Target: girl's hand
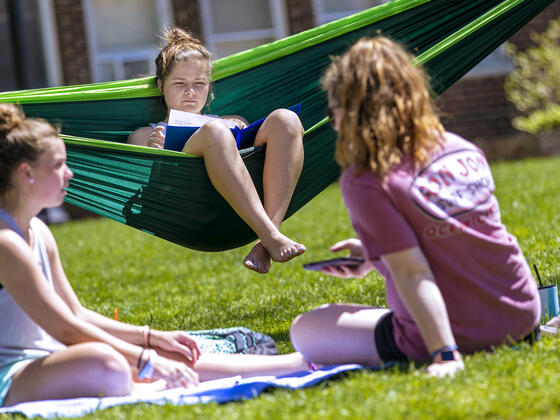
345,271
348,271
352,244
175,374
441,369
177,342
157,138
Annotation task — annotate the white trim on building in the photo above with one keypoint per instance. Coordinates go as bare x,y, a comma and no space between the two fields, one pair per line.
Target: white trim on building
51,50
322,15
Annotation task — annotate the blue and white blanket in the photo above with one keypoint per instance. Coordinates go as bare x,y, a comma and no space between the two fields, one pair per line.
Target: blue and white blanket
219,391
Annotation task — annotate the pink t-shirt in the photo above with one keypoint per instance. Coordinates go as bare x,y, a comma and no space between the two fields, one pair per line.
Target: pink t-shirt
449,210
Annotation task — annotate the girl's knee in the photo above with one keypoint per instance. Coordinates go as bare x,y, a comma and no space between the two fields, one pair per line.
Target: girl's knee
287,119
110,369
211,136
216,129
304,324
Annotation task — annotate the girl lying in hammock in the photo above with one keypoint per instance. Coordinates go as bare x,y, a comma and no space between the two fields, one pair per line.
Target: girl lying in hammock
50,345
183,76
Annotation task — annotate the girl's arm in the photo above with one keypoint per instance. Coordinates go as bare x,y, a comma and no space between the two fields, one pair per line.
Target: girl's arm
417,288
174,341
140,137
24,280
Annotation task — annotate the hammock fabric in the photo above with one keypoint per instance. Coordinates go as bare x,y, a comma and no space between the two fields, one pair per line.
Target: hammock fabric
169,194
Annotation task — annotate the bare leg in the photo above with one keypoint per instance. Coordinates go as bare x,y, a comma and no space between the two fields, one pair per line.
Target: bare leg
81,370
215,143
214,366
283,134
333,334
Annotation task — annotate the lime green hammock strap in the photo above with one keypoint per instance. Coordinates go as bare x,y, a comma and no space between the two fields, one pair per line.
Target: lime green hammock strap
169,194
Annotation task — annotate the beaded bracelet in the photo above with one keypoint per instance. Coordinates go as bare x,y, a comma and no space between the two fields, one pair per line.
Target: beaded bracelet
145,336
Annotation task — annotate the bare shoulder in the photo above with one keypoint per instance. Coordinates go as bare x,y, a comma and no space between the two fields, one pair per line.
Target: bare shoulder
140,137
9,239
13,251
42,229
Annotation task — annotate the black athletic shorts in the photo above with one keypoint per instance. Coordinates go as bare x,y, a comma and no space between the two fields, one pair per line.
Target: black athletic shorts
385,341
387,347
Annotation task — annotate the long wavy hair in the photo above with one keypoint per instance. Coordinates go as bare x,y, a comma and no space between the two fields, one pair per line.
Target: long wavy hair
388,111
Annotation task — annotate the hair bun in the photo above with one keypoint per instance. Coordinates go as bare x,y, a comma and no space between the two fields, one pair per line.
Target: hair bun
11,116
180,36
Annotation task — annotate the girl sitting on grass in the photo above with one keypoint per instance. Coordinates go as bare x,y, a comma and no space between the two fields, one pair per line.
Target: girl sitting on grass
50,345
422,203
183,75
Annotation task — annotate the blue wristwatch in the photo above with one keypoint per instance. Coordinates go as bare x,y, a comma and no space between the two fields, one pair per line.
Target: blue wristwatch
446,352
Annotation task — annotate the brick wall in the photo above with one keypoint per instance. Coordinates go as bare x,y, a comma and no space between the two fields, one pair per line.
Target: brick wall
477,108
300,15
522,39
187,16
72,41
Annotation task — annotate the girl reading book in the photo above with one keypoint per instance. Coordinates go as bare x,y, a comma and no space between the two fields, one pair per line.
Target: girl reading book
183,75
50,345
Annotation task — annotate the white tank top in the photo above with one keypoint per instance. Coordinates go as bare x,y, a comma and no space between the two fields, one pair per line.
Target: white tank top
20,336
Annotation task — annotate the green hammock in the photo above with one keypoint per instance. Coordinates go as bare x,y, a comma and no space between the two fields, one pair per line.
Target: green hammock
169,194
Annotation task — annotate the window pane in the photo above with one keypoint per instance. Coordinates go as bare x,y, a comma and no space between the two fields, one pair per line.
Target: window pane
240,15
125,23
136,69
223,49
336,6
107,72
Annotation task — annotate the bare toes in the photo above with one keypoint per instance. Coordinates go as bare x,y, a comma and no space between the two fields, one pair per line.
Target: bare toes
258,259
255,267
291,252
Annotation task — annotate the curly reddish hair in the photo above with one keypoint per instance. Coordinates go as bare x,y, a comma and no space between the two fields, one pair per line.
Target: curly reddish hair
388,110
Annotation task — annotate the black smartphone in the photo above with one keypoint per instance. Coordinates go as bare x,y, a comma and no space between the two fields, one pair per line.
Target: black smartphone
349,261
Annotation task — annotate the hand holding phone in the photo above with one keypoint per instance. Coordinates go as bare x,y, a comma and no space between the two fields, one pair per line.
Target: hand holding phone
336,262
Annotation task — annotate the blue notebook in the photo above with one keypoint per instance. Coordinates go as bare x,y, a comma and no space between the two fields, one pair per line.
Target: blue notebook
176,136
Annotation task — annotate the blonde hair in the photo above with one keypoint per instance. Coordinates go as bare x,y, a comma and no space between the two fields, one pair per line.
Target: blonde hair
387,106
21,140
180,46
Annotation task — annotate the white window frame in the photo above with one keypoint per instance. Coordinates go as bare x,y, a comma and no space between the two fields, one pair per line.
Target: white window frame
118,58
279,26
49,40
323,17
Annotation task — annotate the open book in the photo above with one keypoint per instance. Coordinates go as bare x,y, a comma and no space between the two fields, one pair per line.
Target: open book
182,125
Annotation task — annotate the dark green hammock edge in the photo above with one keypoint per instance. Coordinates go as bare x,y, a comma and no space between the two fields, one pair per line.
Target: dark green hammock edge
168,194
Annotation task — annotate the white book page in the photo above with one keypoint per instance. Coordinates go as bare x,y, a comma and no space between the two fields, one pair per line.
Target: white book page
188,119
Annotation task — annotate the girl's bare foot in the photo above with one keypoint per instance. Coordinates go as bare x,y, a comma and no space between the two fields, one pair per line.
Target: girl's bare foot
281,248
258,259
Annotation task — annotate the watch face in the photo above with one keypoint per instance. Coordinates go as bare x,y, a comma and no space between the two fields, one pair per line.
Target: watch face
447,355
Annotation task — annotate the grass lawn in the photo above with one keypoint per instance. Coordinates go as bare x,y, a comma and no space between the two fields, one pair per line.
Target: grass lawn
167,286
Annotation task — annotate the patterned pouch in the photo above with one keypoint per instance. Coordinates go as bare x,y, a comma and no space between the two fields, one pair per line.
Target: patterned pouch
234,340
